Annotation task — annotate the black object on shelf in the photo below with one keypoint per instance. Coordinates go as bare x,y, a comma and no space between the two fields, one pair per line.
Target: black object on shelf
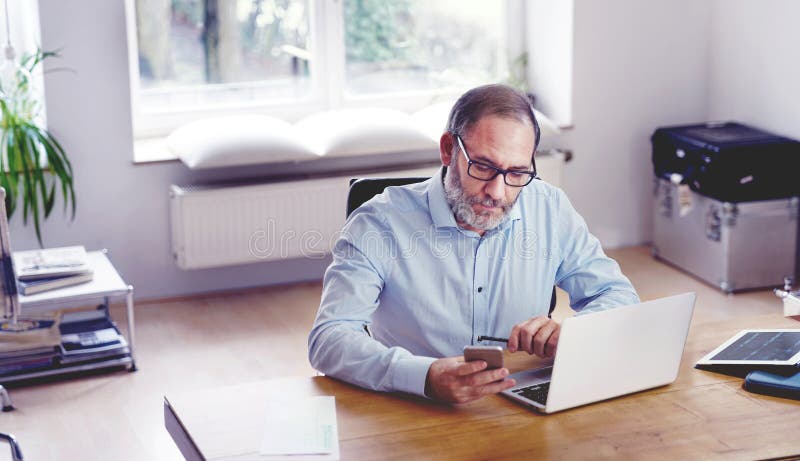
728,161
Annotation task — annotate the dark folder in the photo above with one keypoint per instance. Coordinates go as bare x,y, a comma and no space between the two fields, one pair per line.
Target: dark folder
762,382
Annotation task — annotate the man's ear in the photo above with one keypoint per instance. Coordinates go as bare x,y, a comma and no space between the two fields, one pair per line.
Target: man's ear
446,143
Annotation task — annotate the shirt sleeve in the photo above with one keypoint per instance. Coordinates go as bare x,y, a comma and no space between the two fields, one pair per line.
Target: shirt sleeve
593,280
339,345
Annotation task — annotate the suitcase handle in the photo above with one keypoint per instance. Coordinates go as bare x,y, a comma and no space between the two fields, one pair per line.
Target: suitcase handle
713,224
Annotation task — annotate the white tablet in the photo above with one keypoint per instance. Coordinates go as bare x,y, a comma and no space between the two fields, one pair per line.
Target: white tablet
757,347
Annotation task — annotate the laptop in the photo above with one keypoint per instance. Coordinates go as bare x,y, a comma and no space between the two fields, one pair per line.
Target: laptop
609,353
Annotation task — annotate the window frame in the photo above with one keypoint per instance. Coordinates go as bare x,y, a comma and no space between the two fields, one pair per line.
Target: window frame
327,25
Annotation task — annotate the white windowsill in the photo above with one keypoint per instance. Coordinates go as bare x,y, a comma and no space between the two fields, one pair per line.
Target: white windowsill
151,150
154,149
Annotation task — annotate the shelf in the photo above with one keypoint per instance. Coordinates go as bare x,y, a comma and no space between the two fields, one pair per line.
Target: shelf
65,369
106,283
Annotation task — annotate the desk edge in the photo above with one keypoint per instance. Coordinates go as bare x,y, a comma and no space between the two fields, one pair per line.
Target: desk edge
180,435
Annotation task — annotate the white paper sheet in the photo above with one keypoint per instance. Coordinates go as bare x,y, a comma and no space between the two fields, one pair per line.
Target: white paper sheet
300,427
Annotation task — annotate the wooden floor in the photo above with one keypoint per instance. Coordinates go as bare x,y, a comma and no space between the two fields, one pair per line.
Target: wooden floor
239,337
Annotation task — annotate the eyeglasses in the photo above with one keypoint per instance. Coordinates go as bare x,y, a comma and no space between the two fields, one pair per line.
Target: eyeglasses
486,172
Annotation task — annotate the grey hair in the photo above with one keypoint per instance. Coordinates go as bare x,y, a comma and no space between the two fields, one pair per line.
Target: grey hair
493,99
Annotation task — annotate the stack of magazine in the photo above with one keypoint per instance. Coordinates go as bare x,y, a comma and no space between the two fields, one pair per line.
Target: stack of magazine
32,348
47,269
90,336
85,337
27,361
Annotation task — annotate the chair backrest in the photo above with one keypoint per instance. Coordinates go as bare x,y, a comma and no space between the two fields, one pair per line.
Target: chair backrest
363,189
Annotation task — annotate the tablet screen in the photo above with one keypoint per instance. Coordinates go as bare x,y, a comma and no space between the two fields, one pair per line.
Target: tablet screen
762,345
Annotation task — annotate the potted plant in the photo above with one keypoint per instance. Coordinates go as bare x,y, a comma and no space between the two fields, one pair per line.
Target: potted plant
33,165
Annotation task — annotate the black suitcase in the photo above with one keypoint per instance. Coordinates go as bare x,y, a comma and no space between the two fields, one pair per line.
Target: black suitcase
729,161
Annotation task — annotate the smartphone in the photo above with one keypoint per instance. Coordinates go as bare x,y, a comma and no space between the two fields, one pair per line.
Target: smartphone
492,355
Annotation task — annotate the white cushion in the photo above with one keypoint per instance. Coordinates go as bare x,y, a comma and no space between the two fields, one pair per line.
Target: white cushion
546,126
257,139
433,120
345,132
238,140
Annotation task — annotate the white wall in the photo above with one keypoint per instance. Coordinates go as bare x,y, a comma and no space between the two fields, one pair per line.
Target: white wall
755,66
637,65
549,44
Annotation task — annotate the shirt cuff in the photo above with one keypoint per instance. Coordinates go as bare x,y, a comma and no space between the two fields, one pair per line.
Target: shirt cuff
410,373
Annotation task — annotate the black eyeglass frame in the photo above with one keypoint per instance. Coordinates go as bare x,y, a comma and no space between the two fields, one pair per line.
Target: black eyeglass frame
531,174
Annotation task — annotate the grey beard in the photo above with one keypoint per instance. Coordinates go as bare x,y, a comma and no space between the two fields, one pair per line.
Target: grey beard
461,204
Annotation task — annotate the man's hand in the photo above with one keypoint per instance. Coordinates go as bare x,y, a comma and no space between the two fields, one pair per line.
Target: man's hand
538,335
452,380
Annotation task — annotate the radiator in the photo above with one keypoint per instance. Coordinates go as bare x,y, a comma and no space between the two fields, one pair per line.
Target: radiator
222,226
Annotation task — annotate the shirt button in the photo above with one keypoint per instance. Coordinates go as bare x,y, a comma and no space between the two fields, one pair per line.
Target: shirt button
480,289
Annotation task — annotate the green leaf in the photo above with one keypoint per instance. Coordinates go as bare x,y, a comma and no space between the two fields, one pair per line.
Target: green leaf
60,166
28,146
38,175
30,197
8,178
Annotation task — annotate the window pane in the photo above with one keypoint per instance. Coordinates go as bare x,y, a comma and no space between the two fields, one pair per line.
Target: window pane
209,52
401,45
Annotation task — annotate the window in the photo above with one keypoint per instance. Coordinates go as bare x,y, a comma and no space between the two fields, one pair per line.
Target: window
412,45
195,58
206,53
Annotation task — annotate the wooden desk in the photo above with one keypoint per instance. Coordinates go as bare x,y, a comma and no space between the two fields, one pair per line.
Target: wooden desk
701,415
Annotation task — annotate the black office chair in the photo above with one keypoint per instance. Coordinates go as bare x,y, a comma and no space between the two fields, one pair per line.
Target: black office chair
363,189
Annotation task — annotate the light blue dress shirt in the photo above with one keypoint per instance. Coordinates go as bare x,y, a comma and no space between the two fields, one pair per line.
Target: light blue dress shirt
426,287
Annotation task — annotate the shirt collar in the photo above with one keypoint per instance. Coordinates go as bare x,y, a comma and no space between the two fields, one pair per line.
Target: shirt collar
437,202
440,210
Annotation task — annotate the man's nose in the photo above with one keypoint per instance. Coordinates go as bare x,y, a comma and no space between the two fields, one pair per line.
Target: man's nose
496,188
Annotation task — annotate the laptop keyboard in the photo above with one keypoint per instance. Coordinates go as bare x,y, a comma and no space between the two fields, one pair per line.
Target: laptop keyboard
537,392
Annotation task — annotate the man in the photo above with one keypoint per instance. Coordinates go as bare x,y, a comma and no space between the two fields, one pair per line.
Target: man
421,271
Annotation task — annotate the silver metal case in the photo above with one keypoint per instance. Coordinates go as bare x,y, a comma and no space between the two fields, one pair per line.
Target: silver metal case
733,246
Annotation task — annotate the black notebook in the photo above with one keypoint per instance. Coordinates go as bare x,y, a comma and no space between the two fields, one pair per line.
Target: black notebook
778,385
